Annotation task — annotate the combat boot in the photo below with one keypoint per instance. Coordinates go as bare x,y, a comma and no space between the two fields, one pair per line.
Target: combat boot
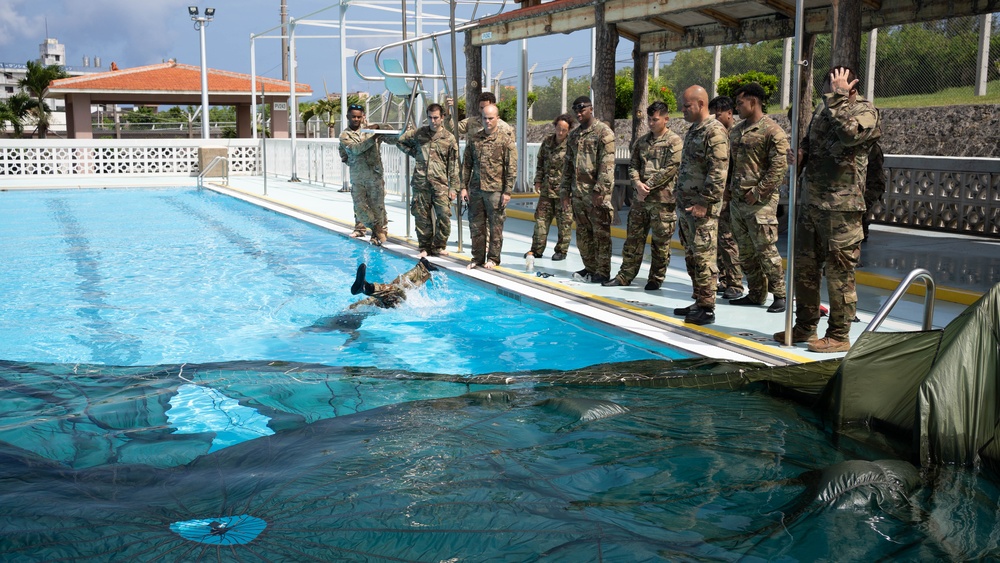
700,316
798,335
829,345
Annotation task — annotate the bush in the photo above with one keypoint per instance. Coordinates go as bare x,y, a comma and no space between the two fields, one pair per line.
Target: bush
507,103
729,84
625,85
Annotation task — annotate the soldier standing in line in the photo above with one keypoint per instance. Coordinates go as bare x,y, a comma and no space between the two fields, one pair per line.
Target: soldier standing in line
829,232
728,260
656,157
489,169
434,180
700,184
548,178
468,126
759,161
588,179
362,153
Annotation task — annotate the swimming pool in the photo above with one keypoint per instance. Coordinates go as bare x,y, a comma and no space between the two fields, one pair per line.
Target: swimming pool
215,427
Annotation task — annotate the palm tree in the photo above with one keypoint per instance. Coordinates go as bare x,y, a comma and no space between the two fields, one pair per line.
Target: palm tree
36,83
325,109
15,110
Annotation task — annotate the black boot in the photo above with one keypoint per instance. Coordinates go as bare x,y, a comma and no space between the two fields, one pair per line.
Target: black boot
427,264
361,285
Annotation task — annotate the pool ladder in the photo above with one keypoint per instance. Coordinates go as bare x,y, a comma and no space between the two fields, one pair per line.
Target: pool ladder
211,166
883,312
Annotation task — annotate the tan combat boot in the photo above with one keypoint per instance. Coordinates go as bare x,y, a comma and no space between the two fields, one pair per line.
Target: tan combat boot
829,345
798,335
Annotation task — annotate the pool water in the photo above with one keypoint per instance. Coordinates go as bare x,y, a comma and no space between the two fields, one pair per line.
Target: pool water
160,400
146,277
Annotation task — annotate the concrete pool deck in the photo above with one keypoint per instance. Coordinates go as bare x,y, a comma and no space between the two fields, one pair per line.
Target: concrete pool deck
963,268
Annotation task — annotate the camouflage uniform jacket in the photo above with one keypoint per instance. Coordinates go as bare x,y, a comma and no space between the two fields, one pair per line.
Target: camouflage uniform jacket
655,162
361,153
759,154
490,162
836,148
704,166
549,168
590,161
436,153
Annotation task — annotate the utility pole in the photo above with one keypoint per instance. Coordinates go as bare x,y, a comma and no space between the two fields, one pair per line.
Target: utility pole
284,40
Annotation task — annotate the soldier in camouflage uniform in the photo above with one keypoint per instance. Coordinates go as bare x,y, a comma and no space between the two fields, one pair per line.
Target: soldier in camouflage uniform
700,185
588,179
728,260
434,181
759,162
548,178
362,153
489,169
829,232
472,125
389,295
656,157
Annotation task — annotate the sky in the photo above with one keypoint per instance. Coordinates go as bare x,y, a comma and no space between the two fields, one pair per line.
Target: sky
134,33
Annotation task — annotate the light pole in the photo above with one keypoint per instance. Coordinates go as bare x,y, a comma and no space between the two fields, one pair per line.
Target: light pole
199,24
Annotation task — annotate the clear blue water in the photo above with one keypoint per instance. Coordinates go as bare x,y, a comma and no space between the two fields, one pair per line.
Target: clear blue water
145,277
145,415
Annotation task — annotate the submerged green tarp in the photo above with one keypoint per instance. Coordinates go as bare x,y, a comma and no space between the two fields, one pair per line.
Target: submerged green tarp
937,387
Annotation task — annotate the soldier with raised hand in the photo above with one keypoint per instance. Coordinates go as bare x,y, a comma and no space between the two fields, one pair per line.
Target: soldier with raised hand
759,160
829,232
730,284
434,180
588,178
653,168
489,169
551,207
700,185
361,152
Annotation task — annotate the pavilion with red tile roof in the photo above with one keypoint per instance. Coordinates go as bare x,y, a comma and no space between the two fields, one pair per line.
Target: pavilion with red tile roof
171,83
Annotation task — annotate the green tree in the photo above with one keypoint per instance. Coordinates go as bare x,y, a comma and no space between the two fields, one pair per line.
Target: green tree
625,85
15,110
688,68
729,84
549,103
507,103
36,83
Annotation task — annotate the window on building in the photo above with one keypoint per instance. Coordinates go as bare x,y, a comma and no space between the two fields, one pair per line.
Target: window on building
8,75
9,89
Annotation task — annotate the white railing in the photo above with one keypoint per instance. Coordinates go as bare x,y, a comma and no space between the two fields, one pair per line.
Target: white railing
95,157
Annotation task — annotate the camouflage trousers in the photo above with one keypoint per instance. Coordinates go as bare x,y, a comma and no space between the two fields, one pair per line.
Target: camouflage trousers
829,240
593,234
486,218
389,295
431,210
369,207
698,236
728,259
551,209
660,218
755,228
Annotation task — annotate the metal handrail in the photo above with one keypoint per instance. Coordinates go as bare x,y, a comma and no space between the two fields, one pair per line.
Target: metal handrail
406,42
883,312
211,165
